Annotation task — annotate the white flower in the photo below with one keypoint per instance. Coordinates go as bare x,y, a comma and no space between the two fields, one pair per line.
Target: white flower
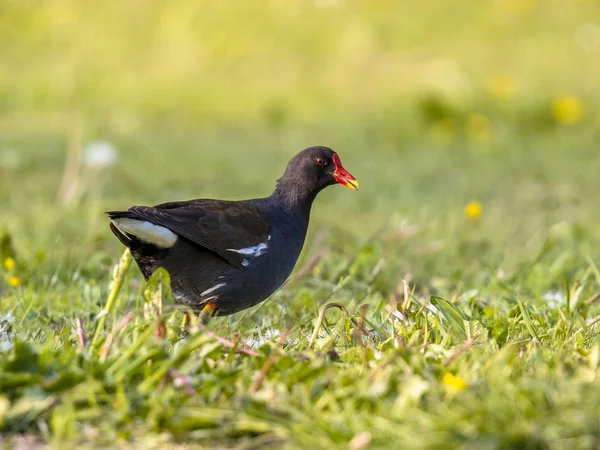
268,335
6,332
555,298
99,154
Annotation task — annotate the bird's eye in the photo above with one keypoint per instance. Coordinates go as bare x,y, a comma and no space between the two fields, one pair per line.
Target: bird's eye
320,162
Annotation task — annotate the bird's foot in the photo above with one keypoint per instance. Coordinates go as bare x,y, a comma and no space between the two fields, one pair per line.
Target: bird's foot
189,323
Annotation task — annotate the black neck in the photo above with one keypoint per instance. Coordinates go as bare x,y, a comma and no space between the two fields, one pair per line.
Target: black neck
294,196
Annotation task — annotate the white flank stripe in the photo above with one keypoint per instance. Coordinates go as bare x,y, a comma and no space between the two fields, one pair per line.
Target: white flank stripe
208,291
257,250
148,232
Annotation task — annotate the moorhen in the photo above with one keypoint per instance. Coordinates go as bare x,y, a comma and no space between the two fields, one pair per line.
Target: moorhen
226,256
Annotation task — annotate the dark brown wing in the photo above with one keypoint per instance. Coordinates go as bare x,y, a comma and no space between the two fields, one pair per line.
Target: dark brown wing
217,225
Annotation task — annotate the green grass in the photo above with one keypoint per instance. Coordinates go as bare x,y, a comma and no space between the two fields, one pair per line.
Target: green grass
497,345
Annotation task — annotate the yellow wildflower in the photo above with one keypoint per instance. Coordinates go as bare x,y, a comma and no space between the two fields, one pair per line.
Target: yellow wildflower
501,86
9,264
479,127
14,281
473,210
316,270
567,110
443,130
453,383
517,6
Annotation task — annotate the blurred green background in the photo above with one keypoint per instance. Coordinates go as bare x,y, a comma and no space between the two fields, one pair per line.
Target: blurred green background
431,105
473,127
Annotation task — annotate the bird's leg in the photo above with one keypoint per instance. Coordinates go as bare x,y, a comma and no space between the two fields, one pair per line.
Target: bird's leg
185,323
203,318
206,313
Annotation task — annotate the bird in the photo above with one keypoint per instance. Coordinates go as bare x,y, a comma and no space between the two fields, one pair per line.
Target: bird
224,256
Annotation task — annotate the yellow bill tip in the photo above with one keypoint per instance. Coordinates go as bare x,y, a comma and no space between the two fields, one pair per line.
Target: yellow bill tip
352,184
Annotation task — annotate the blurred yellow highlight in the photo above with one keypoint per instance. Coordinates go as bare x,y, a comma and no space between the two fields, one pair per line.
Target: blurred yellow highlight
14,281
9,264
453,383
567,110
501,86
473,210
443,131
479,127
516,6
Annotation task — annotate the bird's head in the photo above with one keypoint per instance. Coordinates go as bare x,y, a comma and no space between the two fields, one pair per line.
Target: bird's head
315,168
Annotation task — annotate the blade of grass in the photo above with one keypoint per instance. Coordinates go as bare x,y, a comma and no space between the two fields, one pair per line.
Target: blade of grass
118,276
527,319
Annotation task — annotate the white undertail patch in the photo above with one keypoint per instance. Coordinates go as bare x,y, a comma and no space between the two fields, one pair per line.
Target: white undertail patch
214,288
148,232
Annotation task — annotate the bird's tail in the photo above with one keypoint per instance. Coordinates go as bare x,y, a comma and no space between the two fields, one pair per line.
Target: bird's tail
125,239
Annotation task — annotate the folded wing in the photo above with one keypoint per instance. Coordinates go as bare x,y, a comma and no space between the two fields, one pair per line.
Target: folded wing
236,231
